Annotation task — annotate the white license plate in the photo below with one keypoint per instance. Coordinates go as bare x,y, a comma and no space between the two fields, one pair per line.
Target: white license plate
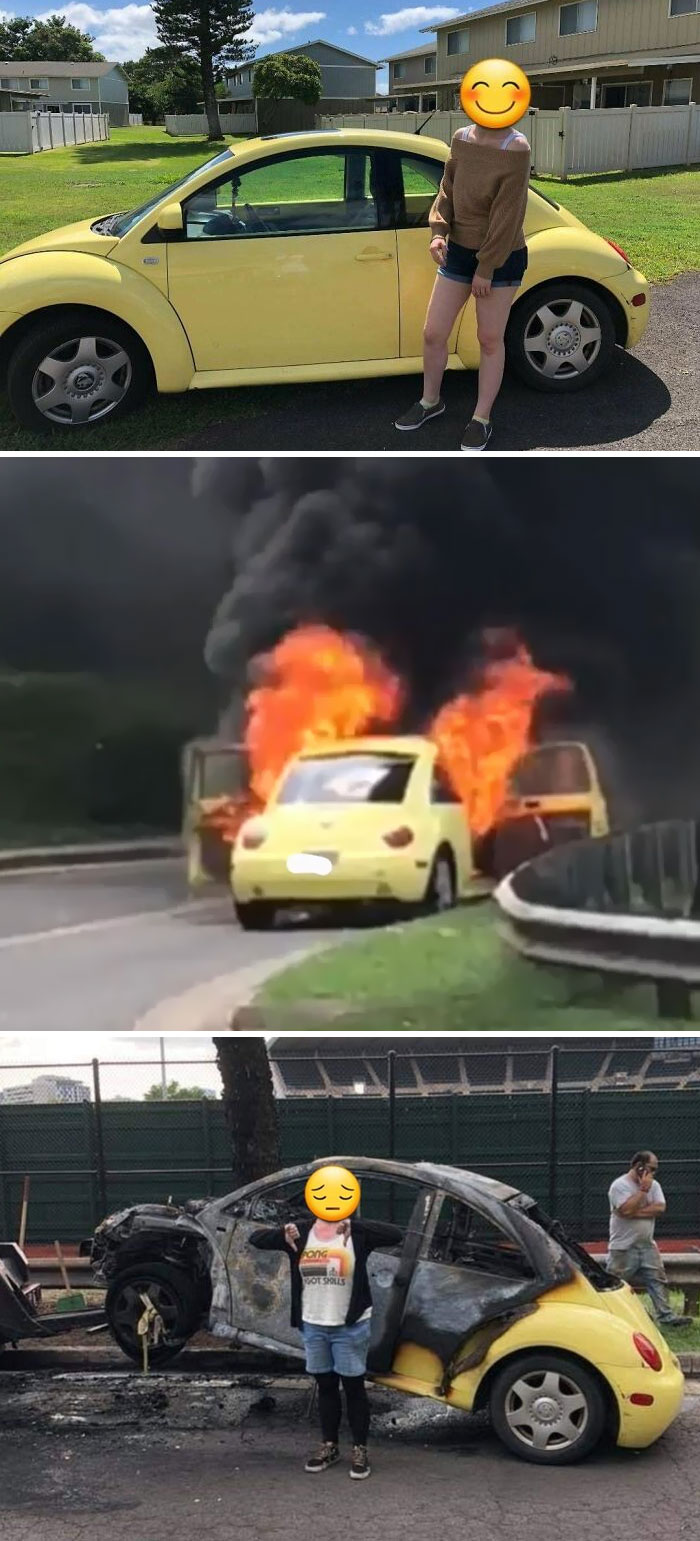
304,864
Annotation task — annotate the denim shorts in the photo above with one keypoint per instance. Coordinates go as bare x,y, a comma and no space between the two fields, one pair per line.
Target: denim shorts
463,261
343,1349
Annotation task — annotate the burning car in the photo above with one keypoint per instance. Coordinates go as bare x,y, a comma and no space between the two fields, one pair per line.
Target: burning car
486,1303
20,1301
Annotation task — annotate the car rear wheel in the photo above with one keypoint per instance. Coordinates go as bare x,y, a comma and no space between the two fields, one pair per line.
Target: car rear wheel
176,1299
560,337
548,1409
76,370
257,915
441,892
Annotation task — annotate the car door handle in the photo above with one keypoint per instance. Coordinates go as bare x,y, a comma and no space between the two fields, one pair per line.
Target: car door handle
373,254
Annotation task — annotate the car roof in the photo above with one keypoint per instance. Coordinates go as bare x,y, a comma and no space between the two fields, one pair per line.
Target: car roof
470,1186
394,743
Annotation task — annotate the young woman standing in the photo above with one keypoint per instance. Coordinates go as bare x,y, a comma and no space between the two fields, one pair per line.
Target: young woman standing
478,244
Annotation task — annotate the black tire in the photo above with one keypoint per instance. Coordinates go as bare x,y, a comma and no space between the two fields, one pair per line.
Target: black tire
257,915
441,890
176,1297
587,1419
56,335
525,326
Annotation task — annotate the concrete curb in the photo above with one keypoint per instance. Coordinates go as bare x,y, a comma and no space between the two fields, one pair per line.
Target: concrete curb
690,1365
220,1005
38,857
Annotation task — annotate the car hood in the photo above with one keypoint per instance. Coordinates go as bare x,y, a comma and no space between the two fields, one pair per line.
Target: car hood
77,237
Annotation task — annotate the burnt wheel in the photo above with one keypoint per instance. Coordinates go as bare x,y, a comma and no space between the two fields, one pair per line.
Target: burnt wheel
175,1297
548,1409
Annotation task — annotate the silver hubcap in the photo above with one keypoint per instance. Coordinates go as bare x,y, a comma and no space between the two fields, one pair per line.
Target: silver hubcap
442,886
81,380
546,1410
562,339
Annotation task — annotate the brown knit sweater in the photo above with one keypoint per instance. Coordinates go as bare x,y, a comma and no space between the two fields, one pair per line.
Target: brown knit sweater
482,201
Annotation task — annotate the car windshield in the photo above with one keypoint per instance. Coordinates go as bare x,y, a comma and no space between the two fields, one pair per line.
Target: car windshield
125,222
351,778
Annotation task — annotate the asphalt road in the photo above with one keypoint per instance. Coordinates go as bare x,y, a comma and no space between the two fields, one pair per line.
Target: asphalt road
649,400
433,1475
97,948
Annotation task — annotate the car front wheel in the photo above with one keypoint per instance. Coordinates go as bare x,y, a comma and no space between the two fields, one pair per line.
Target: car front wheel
548,1409
76,370
175,1298
560,337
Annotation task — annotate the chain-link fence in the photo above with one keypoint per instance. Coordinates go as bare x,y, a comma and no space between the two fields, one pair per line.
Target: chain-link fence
559,1123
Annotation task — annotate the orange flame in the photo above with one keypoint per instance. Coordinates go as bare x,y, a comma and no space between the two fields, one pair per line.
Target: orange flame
480,736
318,686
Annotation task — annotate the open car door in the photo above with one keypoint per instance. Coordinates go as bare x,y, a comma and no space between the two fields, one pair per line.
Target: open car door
214,778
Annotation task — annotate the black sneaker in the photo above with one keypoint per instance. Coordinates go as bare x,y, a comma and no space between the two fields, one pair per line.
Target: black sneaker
360,1465
676,1321
475,437
326,1455
417,416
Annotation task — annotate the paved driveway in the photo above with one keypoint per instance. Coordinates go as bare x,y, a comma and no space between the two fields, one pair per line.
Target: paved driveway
650,400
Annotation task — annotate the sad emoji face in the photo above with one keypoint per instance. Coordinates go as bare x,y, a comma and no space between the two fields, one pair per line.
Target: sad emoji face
495,93
332,1193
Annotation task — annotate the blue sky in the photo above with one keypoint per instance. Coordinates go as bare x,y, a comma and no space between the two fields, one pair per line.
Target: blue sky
123,31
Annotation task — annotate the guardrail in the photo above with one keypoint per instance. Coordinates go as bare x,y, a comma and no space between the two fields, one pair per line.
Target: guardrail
628,904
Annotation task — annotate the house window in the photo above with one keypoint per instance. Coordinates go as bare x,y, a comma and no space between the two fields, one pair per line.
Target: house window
39,83
582,17
521,29
79,83
683,7
458,42
399,71
621,93
429,64
9,83
678,93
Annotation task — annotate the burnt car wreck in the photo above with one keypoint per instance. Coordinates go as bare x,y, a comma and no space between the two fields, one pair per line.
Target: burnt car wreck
20,1301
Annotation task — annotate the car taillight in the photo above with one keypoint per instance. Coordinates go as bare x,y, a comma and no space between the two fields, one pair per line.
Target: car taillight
641,1399
619,251
649,1353
639,299
251,839
397,838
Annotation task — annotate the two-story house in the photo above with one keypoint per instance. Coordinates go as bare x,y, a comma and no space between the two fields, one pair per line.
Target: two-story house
580,53
348,81
412,77
58,87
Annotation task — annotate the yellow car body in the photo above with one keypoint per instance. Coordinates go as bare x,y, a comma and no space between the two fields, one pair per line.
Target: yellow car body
321,808
297,257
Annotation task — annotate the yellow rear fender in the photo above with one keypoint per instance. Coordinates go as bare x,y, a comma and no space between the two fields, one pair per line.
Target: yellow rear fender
44,281
607,1339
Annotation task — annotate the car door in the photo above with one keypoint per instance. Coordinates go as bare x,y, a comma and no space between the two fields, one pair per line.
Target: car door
288,262
452,824
419,176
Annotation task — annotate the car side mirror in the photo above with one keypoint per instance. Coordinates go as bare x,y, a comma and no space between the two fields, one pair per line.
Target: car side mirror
170,218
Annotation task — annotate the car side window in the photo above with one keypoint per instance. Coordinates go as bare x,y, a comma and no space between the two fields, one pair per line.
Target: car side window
312,193
275,1206
421,182
441,789
464,1238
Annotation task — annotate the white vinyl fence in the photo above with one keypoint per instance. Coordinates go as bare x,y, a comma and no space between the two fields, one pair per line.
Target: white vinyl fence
27,132
135,120
567,142
196,123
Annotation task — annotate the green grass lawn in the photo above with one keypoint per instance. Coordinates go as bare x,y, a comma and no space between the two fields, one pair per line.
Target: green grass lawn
448,974
652,214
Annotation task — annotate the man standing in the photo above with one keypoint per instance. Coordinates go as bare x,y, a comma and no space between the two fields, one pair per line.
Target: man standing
636,1199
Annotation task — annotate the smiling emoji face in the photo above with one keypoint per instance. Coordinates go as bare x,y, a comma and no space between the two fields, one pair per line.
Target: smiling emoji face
495,93
332,1193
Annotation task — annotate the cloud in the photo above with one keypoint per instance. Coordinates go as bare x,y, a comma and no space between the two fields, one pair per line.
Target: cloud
125,31
411,17
352,31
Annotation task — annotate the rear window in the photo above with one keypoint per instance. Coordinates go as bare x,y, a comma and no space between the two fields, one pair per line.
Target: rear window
557,771
353,778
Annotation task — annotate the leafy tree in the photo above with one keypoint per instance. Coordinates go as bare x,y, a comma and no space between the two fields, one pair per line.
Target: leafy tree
288,75
174,1092
163,81
212,32
251,1110
53,39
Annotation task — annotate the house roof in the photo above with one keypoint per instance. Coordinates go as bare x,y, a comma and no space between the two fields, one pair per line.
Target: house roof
295,48
50,68
410,53
488,10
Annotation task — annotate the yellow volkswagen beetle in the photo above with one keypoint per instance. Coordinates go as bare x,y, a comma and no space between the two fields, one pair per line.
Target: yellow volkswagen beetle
296,257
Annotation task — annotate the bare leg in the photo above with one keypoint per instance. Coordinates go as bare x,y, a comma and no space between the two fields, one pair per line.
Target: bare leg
492,314
446,301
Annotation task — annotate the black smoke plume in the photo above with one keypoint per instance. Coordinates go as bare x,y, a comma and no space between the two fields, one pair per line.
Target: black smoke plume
595,562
